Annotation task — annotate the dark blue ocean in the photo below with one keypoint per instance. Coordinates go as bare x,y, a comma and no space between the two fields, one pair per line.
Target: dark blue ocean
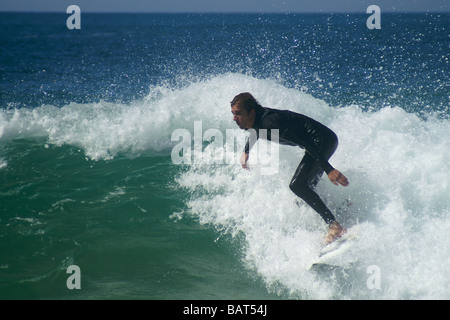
87,173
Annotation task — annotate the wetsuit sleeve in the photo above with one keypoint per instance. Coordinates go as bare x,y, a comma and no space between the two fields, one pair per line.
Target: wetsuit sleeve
315,153
247,147
251,140
306,131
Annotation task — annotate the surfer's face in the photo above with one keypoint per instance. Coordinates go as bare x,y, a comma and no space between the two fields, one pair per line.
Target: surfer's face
243,118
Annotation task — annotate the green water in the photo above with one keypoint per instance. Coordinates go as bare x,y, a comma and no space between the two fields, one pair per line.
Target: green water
114,219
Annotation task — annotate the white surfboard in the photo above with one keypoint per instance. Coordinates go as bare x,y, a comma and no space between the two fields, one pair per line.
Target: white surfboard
328,254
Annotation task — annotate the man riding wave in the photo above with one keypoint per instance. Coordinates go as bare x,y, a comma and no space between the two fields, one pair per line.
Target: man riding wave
295,129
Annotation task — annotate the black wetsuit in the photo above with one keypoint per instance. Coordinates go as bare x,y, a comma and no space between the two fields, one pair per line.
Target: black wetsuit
319,142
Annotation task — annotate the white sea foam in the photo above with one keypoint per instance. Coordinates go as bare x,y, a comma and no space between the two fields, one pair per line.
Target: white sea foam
398,167
397,164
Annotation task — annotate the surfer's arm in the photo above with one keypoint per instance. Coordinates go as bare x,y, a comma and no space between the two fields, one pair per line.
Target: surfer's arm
315,153
244,159
251,140
335,176
245,153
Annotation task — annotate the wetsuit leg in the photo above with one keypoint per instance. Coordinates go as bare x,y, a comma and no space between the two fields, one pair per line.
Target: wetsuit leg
305,179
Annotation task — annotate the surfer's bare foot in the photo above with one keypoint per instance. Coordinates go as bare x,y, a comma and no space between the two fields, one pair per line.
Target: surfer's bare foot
335,232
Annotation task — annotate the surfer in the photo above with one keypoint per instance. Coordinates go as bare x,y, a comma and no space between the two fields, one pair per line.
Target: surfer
295,129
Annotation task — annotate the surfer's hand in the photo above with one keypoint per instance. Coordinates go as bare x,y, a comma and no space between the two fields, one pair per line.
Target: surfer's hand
338,178
243,160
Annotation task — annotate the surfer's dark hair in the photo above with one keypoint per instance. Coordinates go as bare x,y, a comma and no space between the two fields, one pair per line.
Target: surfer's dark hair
247,101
